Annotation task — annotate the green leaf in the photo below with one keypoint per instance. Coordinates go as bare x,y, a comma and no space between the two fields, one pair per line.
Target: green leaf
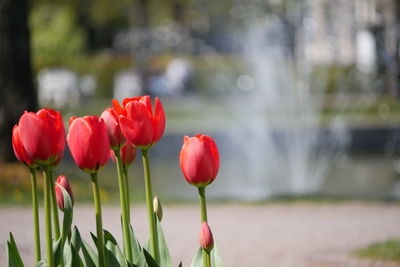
41,263
68,213
57,251
76,239
180,264
114,260
151,262
94,238
216,259
115,251
141,261
109,237
165,257
136,249
76,259
89,255
14,258
130,264
197,259
71,257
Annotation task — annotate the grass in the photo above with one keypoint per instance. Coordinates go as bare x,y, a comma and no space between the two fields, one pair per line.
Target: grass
388,250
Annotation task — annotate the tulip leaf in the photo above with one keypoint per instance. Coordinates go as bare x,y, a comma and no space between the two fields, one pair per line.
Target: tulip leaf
151,262
68,213
141,261
165,257
131,264
57,251
14,258
89,255
41,263
76,239
71,257
216,259
197,259
109,237
114,255
136,249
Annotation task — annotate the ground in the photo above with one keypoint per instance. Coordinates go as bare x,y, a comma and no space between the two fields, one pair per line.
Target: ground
276,234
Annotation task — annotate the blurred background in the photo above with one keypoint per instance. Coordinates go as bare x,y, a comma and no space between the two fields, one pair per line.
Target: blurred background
302,97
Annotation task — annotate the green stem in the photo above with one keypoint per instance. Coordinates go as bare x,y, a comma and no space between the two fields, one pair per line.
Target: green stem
54,206
203,206
35,214
206,258
124,207
127,193
47,218
99,223
150,209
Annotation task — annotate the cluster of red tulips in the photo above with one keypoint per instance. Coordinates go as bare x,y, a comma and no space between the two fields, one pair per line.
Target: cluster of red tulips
39,141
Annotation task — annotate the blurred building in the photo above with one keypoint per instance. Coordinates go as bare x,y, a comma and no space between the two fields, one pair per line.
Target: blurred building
365,33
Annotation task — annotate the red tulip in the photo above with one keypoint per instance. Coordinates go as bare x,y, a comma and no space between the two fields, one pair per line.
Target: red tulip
139,124
199,160
42,134
206,238
110,117
89,143
128,154
62,180
19,149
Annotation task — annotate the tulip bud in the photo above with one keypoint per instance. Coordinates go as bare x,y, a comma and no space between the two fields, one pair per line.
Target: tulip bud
110,117
157,208
199,160
206,238
89,143
128,154
62,181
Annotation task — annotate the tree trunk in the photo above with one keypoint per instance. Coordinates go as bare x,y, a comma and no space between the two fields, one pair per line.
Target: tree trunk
17,92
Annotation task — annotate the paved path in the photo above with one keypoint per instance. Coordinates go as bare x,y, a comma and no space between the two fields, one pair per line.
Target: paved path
299,234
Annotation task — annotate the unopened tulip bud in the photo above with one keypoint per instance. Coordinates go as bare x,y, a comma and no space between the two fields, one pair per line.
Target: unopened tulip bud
62,180
199,160
157,208
206,238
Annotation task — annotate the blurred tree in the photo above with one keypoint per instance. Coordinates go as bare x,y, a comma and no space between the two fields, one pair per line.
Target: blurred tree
55,35
17,91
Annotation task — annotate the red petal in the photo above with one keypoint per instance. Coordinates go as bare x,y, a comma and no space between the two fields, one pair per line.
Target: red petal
159,121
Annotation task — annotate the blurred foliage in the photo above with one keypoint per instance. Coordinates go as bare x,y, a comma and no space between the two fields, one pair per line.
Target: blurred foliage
55,35
388,250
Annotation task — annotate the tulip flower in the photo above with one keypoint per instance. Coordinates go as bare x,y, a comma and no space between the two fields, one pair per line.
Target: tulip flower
42,134
143,128
23,157
19,149
90,147
139,124
199,160
128,154
110,117
62,181
206,238
89,143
